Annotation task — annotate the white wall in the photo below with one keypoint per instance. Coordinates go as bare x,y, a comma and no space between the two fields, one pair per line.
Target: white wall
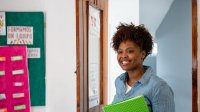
174,59
60,50
22,5
119,11
61,55
152,13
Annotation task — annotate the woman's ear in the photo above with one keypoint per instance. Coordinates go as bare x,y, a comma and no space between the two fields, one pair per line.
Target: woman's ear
143,54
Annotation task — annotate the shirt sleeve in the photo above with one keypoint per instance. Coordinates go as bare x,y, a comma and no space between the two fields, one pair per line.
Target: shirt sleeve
163,100
115,99
116,87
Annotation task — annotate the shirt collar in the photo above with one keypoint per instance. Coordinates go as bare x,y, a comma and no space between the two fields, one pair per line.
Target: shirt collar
124,76
147,74
144,79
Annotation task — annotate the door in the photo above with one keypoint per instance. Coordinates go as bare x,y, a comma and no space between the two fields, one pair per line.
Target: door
91,19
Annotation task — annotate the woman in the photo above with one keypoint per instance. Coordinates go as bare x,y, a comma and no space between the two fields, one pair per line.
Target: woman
132,45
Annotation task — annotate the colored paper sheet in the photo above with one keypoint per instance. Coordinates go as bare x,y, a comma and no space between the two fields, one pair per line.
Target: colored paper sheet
2,73
3,110
2,23
14,79
16,58
18,84
2,96
20,107
3,58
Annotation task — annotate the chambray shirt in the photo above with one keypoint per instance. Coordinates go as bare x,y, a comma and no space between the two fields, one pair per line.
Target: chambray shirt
158,94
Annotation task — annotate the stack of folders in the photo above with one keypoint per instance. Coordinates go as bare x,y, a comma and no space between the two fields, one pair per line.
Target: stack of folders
136,104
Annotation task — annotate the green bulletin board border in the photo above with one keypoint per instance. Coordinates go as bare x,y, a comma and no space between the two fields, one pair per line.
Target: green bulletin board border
36,66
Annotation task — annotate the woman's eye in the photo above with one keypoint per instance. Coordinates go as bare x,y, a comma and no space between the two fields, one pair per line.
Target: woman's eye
130,51
119,52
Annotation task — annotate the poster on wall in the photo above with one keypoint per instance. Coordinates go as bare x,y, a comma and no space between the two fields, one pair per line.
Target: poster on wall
94,56
2,23
33,52
20,35
14,79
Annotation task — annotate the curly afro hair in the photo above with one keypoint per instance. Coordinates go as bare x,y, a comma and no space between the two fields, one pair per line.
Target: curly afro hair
138,34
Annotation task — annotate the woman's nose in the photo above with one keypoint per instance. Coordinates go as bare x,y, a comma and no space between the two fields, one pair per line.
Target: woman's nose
124,55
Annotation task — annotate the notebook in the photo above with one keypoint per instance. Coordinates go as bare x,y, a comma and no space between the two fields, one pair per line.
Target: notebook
135,104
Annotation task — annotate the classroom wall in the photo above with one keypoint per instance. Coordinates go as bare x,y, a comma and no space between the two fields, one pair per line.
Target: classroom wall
152,13
150,60
60,50
119,11
61,55
22,5
174,58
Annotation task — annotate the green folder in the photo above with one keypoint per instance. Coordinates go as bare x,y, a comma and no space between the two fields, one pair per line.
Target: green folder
135,104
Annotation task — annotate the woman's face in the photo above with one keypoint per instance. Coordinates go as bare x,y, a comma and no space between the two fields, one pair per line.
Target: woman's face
130,56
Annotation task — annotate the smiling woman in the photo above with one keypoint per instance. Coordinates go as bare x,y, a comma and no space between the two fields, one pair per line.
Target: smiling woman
171,29
133,44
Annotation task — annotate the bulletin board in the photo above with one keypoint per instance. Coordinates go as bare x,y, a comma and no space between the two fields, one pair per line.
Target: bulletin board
33,21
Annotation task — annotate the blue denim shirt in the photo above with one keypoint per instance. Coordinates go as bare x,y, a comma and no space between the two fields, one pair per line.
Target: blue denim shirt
158,94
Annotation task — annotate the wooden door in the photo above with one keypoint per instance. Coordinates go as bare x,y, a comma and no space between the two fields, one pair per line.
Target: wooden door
84,55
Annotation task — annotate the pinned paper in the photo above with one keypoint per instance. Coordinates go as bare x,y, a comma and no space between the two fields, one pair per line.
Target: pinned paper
19,107
17,72
2,58
18,83
2,96
18,95
20,35
2,73
3,110
2,23
16,58
33,52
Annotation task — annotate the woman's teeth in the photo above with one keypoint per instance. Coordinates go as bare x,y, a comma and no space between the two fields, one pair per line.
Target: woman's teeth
125,62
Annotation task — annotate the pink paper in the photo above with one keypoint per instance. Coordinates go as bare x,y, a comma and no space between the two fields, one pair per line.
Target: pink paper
14,84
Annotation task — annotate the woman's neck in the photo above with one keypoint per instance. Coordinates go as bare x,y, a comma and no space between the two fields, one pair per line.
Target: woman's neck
135,75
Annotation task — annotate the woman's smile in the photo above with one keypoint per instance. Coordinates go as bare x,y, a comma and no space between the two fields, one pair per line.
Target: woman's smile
125,62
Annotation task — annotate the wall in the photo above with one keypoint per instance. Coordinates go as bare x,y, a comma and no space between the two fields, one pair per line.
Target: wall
119,11
151,61
60,50
22,5
150,15
174,59
152,21
61,55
